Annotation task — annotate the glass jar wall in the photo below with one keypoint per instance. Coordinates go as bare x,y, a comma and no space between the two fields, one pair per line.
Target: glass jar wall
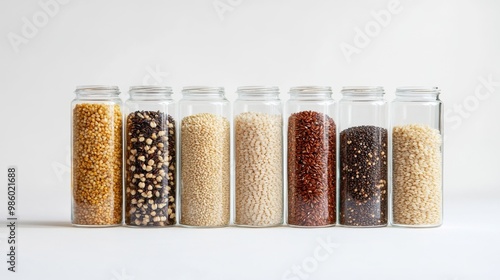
311,157
258,141
205,157
417,159
96,156
363,199
150,157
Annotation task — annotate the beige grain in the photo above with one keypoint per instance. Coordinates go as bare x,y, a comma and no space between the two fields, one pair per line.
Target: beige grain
205,170
417,175
259,169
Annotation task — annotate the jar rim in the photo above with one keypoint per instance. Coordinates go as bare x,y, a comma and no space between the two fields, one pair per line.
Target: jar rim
150,90
97,89
405,90
362,90
310,89
258,90
202,90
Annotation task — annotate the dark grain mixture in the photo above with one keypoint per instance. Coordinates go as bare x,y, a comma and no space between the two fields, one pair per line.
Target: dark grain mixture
311,169
151,167
363,176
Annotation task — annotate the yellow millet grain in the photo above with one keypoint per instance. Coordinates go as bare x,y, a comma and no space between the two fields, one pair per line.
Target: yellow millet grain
259,169
97,164
417,175
205,170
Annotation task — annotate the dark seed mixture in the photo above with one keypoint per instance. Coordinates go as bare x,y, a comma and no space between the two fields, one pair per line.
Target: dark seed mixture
363,176
311,169
151,166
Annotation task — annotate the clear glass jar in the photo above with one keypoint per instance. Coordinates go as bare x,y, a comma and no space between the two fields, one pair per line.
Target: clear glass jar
96,156
150,157
258,142
417,157
311,157
363,199
205,157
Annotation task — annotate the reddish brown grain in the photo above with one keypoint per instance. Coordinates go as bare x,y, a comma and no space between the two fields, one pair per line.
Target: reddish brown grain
311,169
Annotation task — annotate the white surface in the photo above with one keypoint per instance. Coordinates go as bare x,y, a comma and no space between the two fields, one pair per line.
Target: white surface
466,247
450,44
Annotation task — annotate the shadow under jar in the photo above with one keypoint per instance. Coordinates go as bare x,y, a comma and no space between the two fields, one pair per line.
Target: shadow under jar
363,157
205,157
311,157
150,156
258,138
417,159
96,156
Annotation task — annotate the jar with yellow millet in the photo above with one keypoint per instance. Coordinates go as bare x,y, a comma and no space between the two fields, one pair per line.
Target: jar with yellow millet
96,157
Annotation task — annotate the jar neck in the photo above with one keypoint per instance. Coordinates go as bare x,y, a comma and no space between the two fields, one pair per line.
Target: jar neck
363,93
310,93
97,92
202,93
258,93
150,93
417,94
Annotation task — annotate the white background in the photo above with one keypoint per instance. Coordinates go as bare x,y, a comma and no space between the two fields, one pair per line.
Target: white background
46,52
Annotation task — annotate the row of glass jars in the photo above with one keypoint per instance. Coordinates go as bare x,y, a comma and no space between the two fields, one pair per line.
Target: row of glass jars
323,147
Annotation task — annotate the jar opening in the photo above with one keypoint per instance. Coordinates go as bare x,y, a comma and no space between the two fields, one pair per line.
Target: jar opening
97,90
150,90
311,90
202,90
257,89
363,90
311,93
418,93
417,90
258,92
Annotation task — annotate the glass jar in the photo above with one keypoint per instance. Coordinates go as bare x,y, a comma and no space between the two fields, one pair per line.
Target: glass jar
96,156
311,157
150,157
417,158
258,142
363,157
205,157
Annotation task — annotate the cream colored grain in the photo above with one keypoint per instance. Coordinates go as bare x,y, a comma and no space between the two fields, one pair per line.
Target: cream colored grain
259,169
205,189
417,175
